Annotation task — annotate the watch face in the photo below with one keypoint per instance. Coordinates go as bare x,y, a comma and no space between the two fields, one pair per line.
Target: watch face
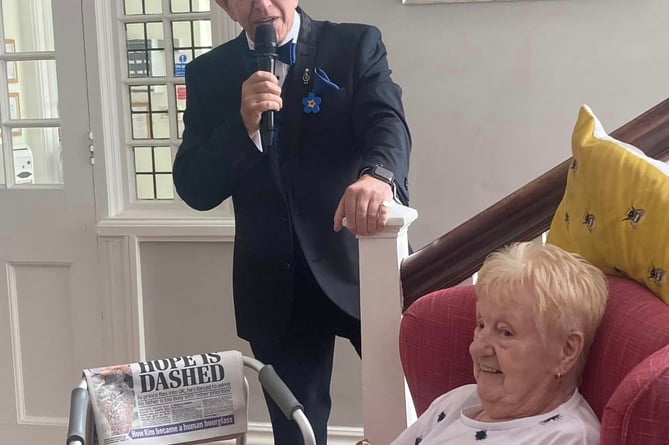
383,173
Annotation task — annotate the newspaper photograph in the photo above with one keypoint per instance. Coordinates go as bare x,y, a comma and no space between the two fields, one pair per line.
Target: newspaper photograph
176,400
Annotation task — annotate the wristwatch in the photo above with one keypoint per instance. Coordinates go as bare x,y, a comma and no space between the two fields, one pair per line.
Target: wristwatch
381,173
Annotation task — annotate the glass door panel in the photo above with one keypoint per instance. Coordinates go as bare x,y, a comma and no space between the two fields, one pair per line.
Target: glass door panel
37,156
35,95
31,149
28,25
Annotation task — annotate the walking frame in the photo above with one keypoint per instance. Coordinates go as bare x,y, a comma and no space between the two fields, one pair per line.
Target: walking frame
81,428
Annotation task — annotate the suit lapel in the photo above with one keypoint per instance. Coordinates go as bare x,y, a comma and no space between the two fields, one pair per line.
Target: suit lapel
241,48
298,81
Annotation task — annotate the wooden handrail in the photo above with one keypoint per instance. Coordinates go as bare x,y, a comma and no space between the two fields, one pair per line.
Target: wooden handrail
521,216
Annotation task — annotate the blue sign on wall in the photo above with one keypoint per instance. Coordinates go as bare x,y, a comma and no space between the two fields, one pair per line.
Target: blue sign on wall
180,66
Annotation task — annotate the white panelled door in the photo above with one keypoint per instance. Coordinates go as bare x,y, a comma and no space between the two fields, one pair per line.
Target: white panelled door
50,286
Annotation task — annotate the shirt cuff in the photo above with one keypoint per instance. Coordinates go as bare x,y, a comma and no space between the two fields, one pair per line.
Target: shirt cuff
255,137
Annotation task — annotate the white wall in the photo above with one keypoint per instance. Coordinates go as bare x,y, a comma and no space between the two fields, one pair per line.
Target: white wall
492,90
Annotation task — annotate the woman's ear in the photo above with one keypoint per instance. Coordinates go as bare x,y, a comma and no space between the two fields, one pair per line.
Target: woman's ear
571,351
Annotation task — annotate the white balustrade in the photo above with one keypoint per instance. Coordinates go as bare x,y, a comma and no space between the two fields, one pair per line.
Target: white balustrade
386,402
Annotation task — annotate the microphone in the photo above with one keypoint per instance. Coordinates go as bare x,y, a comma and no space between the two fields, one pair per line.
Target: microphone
266,55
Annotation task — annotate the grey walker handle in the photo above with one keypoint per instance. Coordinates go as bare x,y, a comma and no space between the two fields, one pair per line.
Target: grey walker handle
283,397
278,390
76,432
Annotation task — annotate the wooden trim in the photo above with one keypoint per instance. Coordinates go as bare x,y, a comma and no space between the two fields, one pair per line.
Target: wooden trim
521,216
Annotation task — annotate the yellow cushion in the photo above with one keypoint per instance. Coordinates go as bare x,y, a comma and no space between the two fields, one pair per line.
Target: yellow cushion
615,209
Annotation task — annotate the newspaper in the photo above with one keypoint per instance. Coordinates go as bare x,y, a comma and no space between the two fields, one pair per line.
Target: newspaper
169,401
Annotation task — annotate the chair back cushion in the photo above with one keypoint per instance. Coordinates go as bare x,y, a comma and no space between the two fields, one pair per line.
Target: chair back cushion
437,329
635,325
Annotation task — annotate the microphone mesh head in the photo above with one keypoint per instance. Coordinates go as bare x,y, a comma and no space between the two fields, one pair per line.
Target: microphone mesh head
265,40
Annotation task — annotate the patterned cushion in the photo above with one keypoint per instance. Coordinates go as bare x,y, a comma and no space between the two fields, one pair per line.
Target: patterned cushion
615,209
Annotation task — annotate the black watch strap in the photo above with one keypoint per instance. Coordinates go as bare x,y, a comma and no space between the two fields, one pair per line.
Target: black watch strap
379,172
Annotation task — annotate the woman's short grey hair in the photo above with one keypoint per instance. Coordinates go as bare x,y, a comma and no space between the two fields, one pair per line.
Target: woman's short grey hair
570,292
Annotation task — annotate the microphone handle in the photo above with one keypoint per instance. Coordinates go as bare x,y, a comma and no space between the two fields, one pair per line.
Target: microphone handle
266,63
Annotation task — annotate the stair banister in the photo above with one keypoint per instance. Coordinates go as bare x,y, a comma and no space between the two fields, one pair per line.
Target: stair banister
523,215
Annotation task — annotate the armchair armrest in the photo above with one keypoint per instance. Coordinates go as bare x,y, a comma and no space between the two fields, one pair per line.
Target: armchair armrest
635,412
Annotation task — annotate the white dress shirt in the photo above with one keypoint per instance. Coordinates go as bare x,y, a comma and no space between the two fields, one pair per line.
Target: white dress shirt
280,68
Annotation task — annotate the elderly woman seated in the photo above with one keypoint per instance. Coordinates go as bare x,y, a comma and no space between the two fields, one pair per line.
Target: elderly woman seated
538,308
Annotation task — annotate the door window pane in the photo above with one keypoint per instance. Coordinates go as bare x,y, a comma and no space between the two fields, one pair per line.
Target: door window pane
31,93
137,7
181,33
143,160
180,93
149,111
156,106
163,159
153,173
133,7
145,43
150,126
158,97
164,186
190,38
37,157
139,98
28,24
200,51
180,6
145,187
40,101
153,6
202,33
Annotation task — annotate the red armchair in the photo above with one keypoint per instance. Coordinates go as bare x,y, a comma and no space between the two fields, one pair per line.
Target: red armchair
626,378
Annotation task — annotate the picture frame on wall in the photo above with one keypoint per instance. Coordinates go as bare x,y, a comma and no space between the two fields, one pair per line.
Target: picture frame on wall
12,74
15,112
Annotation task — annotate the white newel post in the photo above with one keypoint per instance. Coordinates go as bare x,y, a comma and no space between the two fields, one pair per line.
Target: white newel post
386,402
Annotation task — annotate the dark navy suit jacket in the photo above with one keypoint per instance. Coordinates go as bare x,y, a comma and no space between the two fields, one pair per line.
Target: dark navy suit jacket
359,125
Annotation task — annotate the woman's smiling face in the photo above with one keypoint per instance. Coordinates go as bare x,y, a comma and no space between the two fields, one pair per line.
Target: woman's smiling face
514,364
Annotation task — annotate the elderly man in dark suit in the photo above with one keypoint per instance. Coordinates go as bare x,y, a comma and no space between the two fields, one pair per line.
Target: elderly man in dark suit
341,150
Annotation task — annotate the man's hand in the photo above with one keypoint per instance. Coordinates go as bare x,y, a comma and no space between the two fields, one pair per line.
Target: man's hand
260,93
362,205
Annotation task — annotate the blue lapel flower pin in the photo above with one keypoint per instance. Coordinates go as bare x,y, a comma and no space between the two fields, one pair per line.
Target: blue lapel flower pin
312,103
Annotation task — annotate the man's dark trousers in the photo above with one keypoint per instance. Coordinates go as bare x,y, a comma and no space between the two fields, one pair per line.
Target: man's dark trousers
303,358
